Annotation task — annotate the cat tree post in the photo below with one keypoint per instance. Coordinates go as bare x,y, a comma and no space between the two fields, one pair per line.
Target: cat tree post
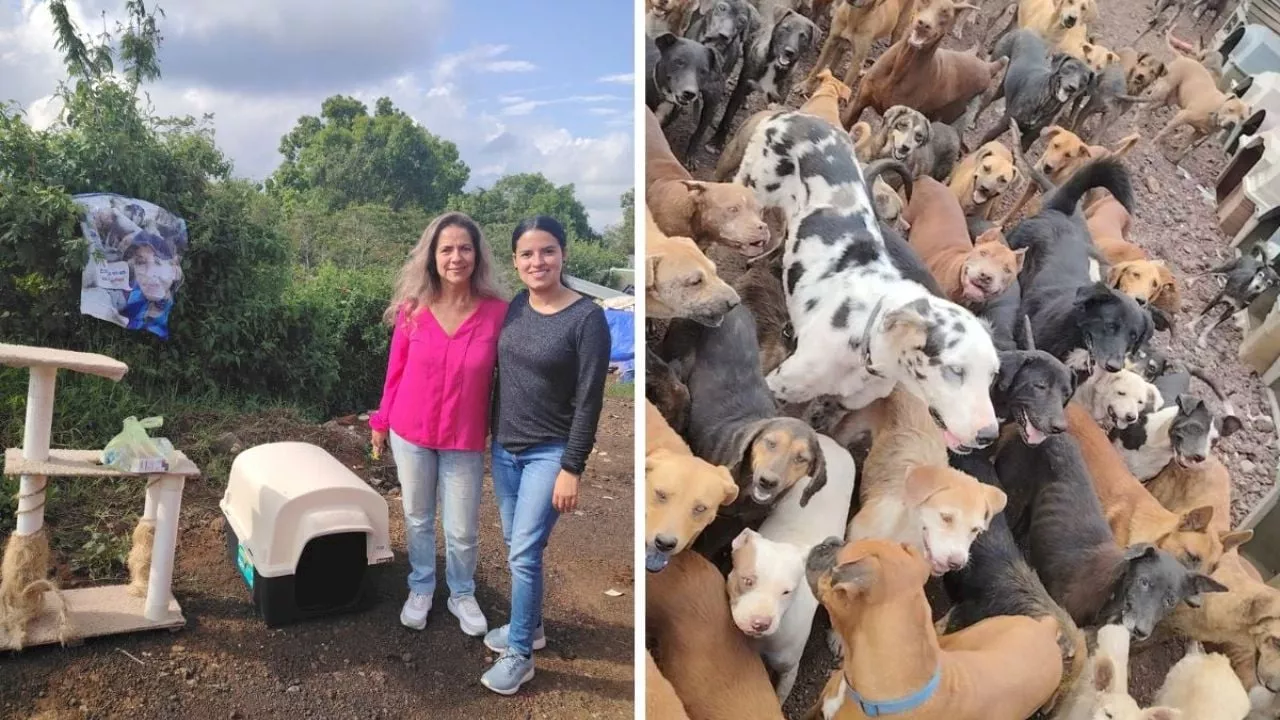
35,446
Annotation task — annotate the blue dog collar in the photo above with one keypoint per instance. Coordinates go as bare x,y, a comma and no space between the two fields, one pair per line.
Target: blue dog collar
872,708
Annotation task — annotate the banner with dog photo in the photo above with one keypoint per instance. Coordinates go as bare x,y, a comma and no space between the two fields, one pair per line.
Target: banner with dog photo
134,268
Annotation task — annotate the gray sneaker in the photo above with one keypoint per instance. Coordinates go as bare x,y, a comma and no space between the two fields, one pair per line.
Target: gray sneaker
508,674
496,639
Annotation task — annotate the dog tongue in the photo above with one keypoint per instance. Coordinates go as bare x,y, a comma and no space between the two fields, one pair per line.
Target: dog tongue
1034,436
655,561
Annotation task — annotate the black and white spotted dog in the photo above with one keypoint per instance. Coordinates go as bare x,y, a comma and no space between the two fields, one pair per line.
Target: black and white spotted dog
861,327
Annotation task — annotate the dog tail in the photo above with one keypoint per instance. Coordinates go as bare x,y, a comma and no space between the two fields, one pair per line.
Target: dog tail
1200,375
877,168
1106,173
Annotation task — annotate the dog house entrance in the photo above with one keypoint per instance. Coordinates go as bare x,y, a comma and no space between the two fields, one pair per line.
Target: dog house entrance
330,572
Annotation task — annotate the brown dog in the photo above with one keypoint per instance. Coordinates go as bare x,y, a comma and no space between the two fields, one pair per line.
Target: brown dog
680,281
1140,69
1131,272
760,288
722,213
1181,489
855,27
1133,514
1054,19
682,491
1244,621
917,73
660,699
699,650
825,101
1064,153
667,16
981,177
969,273
1002,668
1201,105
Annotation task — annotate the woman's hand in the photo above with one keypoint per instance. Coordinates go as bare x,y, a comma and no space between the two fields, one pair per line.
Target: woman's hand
565,497
378,439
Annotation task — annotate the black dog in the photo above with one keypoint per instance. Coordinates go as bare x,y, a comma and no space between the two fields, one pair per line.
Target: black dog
768,65
1106,95
678,71
1032,389
1036,86
1248,276
1074,316
726,30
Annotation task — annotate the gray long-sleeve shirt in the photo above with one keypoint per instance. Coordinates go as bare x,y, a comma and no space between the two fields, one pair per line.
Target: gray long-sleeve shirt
551,374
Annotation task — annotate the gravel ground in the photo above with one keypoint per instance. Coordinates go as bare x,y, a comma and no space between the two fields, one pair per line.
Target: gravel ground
1175,220
227,664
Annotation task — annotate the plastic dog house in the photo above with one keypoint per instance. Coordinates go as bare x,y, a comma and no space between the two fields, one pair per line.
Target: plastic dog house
302,529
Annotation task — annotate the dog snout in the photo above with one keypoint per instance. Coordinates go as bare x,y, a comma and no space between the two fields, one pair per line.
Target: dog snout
1069,21
984,280
767,482
1058,425
1113,364
760,623
664,543
1195,458
1130,417
988,435
687,96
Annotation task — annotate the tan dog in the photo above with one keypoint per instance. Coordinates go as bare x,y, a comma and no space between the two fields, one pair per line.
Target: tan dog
1054,19
855,30
660,699
699,650
1131,272
1181,489
1203,107
667,16
825,101
969,273
682,491
1002,668
1133,514
910,495
1117,399
981,177
709,213
917,73
680,281
1064,153
1140,69
1244,621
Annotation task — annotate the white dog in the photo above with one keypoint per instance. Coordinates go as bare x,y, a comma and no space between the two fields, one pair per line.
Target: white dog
1117,399
861,327
768,592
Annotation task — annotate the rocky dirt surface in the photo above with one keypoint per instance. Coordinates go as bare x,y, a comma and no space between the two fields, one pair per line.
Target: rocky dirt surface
227,664
1175,219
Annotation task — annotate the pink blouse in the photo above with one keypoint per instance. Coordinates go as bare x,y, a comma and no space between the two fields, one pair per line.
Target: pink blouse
438,387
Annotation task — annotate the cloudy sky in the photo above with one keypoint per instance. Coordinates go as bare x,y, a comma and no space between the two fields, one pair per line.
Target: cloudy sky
518,86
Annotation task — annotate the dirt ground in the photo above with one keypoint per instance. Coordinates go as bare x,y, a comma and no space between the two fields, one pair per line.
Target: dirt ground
227,664
1175,219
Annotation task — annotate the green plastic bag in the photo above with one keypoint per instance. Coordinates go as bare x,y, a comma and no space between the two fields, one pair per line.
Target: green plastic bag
134,451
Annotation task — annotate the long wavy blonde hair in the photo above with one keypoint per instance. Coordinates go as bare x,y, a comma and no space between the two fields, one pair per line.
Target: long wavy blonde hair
418,283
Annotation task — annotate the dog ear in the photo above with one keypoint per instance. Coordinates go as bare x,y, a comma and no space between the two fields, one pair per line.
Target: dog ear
1154,399
653,459
651,271
1186,403
747,535
1026,340
1016,175
1010,364
991,234
1229,425
695,187
854,577
1198,584
906,327
1233,540
737,455
922,483
1052,131
1116,272
1019,259
1092,293
1124,145
996,501
665,40
1138,551
817,470
1104,673
1196,520
730,487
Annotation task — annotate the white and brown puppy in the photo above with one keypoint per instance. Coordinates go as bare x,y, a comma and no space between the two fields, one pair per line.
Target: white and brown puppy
861,326
1117,400
771,600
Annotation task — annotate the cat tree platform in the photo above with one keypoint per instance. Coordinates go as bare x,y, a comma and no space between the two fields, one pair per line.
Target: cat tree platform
95,611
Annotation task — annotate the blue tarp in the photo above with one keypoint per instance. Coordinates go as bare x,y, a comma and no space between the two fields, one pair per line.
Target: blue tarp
622,337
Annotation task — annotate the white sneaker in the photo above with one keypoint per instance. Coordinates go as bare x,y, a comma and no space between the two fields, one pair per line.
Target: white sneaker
414,613
470,618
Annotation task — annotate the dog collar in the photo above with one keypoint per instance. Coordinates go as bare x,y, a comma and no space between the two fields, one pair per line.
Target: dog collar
866,339
872,708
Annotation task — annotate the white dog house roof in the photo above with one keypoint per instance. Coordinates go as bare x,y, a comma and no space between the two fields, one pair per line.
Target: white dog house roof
281,495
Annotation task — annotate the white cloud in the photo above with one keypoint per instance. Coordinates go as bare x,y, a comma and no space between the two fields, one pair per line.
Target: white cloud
253,107
620,78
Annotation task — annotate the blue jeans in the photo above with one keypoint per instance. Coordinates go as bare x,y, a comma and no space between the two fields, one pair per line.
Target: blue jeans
524,483
454,477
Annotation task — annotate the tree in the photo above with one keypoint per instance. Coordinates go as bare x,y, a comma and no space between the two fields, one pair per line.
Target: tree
515,197
622,237
348,157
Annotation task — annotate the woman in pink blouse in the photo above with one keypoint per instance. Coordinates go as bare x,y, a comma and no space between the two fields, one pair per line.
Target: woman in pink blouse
447,314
